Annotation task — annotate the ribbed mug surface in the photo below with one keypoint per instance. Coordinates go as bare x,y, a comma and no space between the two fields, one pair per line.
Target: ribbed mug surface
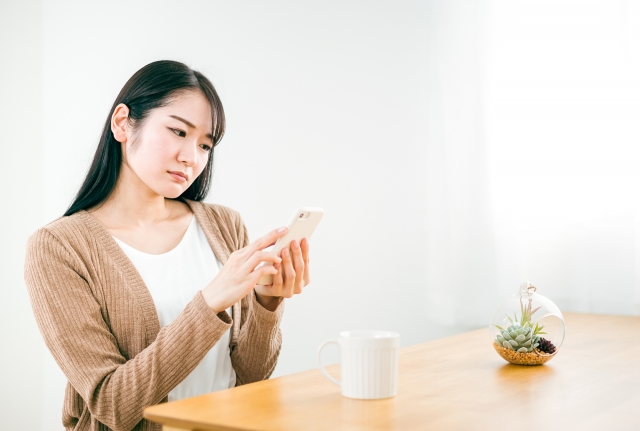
368,363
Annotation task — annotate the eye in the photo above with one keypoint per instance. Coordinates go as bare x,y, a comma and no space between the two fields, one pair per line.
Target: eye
205,147
179,132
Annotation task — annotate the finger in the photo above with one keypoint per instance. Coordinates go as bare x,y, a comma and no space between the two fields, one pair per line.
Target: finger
261,272
259,257
298,267
304,245
277,279
264,290
289,274
265,241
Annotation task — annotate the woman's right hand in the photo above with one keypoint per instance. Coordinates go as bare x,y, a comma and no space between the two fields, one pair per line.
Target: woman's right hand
239,275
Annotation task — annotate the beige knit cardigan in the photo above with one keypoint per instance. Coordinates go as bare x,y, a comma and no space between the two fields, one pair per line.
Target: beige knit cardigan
100,323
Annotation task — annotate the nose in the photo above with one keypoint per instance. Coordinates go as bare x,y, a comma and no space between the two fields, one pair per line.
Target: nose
188,154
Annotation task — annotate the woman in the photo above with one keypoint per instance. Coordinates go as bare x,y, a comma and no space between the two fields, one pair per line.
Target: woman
143,293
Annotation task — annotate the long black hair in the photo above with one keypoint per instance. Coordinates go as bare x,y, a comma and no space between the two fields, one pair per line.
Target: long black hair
151,87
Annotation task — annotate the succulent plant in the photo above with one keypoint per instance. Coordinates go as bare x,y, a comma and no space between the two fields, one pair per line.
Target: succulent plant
546,346
521,336
518,338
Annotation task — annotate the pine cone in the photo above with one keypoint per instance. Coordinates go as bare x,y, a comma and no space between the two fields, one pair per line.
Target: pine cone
546,346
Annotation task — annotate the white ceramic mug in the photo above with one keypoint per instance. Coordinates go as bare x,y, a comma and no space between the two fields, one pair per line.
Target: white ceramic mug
368,363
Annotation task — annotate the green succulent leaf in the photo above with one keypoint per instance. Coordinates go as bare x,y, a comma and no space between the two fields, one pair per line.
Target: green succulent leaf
506,345
518,338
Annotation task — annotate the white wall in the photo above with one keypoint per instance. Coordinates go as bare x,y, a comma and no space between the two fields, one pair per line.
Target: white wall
532,155
21,354
562,101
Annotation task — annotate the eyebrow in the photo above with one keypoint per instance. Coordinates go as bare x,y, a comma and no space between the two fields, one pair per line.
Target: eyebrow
189,124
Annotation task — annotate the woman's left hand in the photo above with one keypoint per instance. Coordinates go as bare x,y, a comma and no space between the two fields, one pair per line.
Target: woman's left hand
292,276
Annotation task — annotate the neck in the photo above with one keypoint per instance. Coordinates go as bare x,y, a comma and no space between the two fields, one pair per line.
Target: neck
132,202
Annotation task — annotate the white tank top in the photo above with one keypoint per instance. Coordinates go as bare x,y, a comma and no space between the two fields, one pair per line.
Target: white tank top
174,278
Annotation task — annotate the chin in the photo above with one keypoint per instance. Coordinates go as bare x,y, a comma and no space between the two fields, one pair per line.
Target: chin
172,195
171,192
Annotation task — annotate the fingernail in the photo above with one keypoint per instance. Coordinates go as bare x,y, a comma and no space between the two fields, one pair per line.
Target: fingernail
285,252
282,229
294,245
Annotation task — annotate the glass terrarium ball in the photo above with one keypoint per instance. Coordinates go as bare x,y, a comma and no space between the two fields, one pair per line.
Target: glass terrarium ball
527,328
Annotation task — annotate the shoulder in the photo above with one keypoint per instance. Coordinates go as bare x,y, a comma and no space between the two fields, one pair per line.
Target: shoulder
64,242
220,213
61,229
66,225
72,234
222,222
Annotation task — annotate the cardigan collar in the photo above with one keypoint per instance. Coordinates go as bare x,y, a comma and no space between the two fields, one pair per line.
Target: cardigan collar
139,288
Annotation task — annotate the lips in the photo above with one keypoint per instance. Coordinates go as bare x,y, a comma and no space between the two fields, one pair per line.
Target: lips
179,176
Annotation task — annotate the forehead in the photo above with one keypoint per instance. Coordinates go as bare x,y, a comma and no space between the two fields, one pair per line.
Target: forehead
190,105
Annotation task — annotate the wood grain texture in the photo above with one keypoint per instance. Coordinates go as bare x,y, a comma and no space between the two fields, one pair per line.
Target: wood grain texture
455,383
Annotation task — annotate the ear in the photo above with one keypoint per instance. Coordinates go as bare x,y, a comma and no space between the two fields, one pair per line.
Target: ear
120,123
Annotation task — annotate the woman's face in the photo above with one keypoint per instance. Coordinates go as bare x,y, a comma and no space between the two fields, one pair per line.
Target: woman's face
171,147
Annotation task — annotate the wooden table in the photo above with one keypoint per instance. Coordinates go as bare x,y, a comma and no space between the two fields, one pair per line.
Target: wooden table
455,383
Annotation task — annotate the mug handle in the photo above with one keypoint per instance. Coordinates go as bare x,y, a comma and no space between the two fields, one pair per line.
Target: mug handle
332,341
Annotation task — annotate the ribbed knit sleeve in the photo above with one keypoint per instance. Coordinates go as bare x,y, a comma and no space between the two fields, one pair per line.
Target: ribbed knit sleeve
75,328
257,347
255,351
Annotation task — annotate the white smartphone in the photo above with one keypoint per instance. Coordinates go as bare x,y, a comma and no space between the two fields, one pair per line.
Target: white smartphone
302,224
